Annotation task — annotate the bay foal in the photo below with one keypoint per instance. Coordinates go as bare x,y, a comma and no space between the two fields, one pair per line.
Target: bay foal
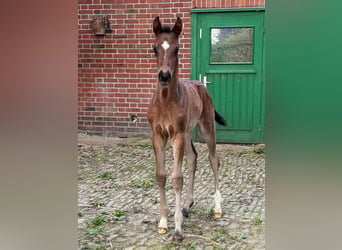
176,108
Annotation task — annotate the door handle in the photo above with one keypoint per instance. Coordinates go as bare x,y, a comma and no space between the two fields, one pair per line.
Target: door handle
205,82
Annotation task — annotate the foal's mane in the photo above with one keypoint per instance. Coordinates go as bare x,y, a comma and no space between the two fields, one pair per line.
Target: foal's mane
165,29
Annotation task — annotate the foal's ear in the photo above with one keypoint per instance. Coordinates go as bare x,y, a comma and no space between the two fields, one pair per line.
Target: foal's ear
156,26
177,29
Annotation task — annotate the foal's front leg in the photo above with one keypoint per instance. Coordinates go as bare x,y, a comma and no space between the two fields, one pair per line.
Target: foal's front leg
159,142
178,143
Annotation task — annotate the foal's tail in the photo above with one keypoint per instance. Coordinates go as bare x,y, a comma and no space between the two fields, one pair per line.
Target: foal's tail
219,119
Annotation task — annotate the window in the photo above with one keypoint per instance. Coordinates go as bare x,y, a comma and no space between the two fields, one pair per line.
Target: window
231,45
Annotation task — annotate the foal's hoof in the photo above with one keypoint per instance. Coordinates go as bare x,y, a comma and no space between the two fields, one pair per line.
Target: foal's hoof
162,230
177,237
217,215
185,212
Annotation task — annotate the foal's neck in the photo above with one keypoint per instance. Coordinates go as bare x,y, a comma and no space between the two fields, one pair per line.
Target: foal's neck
172,92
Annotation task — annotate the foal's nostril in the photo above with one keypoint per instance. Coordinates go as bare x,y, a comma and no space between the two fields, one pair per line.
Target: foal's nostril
164,76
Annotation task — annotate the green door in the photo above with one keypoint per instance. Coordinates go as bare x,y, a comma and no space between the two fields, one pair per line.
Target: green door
227,56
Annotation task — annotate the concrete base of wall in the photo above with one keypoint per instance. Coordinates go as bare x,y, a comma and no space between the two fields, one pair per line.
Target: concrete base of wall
142,134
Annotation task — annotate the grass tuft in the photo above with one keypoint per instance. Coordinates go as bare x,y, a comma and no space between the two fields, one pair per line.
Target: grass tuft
106,176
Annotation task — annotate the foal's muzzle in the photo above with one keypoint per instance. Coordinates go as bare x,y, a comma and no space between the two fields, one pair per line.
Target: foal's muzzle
164,77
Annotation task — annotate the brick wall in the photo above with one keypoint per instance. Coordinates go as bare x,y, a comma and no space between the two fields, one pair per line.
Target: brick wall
117,72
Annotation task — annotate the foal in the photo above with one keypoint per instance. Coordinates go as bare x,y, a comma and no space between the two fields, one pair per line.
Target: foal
175,109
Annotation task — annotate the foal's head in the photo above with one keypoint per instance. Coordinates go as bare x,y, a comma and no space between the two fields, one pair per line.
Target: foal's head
166,50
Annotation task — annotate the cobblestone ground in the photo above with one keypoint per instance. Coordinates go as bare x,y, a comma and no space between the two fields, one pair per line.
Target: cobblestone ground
119,198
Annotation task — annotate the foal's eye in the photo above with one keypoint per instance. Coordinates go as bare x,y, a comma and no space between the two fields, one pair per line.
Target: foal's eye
155,50
176,49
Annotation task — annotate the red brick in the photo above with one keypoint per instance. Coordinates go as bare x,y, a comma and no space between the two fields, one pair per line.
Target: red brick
84,1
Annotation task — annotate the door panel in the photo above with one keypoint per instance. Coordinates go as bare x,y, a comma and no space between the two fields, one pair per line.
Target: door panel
229,61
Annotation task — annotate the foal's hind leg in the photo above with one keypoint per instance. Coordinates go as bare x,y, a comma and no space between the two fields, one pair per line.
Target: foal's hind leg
191,159
207,131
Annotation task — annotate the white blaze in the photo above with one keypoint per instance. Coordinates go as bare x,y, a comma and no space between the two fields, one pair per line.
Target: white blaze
165,45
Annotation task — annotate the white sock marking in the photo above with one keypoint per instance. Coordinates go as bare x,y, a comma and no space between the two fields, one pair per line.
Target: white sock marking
163,222
218,201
